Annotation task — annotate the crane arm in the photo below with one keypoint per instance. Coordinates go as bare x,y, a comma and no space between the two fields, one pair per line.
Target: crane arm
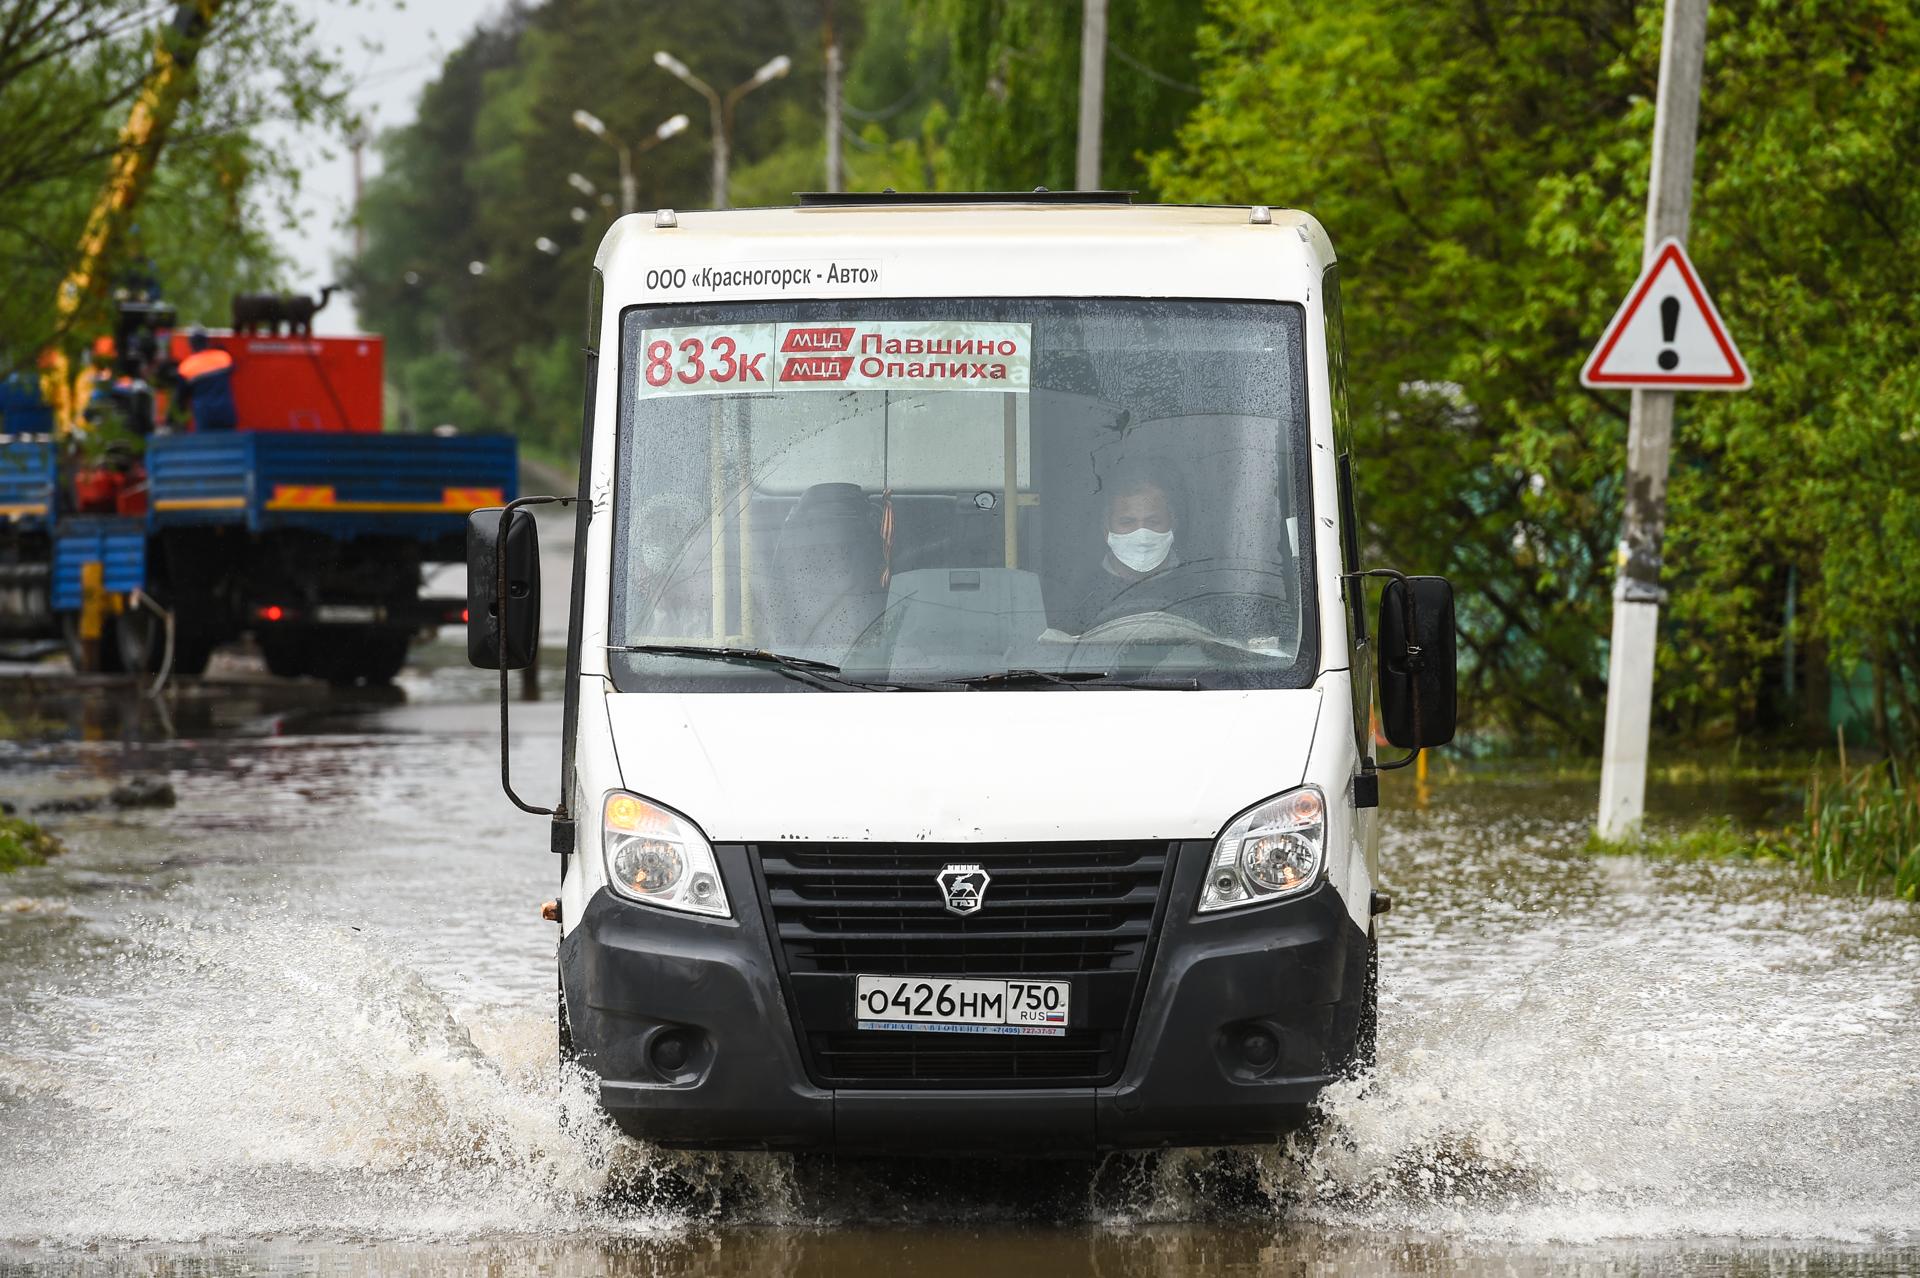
141,139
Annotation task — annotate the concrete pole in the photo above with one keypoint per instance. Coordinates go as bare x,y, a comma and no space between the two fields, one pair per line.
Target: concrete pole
358,142
722,127
629,183
1637,594
836,171
1093,89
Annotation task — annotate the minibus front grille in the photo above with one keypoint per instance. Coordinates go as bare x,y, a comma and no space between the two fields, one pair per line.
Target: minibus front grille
1049,908
1083,912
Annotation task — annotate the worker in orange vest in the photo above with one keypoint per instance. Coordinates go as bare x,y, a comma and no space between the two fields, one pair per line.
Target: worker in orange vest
206,379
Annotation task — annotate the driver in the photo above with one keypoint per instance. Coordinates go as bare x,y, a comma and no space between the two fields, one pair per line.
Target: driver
1142,517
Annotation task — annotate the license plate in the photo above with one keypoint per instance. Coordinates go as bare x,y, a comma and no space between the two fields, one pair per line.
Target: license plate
933,1003
347,614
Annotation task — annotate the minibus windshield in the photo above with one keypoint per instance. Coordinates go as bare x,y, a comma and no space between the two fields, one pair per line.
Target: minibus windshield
916,493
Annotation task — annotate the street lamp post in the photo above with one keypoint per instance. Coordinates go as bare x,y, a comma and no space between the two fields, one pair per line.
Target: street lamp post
588,122
721,106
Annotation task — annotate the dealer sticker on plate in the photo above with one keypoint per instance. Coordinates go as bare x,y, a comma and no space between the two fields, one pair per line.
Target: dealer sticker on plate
931,1003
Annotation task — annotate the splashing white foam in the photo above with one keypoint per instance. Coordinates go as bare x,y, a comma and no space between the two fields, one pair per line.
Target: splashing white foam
1688,1051
265,1074
1571,1050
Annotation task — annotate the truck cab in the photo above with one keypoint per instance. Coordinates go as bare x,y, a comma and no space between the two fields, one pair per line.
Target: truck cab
968,741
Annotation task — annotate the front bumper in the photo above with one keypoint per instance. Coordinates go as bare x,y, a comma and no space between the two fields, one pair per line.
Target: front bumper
687,1025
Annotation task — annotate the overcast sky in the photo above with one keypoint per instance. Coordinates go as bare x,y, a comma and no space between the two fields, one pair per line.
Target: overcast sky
391,49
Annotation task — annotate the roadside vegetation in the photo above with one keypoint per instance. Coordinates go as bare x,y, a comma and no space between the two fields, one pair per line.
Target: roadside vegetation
1858,830
1482,168
1862,830
69,72
22,843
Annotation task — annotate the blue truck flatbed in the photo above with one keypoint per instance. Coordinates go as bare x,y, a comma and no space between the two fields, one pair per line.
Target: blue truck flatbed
26,480
417,486
311,542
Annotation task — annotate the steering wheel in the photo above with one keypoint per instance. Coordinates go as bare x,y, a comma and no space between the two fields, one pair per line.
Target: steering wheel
1207,594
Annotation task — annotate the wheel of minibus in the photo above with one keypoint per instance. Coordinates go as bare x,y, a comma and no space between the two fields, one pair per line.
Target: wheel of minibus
569,1055
1366,1035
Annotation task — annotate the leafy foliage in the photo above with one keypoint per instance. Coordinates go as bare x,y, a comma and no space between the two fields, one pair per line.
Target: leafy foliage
22,843
70,71
1014,80
1481,165
1482,168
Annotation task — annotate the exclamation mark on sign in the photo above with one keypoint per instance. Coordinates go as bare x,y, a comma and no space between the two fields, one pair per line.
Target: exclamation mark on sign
1669,325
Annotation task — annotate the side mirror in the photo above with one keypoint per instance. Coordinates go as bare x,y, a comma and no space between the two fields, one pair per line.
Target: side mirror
518,615
1418,665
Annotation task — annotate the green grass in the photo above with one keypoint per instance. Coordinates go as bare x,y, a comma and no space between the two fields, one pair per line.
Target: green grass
1702,767
23,843
1719,839
1863,830
27,727
1858,830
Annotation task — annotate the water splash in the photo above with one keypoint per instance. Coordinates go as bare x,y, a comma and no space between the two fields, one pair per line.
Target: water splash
267,1073
1662,1051
1572,1050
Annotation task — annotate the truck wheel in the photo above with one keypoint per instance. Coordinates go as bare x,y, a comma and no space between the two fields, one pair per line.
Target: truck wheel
370,656
107,655
191,653
288,656
142,643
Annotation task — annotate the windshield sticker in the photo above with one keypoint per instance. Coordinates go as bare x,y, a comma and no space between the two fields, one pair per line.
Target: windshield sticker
754,359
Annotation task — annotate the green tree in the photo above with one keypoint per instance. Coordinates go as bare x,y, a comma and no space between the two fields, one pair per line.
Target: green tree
1482,168
1012,81
70,71
483,327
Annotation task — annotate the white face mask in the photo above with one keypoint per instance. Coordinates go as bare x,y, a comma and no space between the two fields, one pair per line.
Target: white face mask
1142,550
656,557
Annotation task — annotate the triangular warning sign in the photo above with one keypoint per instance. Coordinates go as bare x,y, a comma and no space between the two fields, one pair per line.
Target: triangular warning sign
1667,334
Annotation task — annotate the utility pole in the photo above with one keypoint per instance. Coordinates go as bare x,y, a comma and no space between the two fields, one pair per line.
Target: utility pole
358,141
588,122
836,173
721,106
1637,594
1093,88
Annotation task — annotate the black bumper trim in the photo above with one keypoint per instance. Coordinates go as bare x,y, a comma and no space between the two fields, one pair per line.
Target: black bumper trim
736,1077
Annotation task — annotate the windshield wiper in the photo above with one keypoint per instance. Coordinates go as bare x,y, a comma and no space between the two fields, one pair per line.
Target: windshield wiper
1029,678
1019,678
807,670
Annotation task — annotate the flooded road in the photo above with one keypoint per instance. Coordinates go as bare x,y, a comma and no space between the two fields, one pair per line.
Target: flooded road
302,1022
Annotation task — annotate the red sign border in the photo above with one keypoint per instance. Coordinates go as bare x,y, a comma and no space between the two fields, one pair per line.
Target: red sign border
1670,250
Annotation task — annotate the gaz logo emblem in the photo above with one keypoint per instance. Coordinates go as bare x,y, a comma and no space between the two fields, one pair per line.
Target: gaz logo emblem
964,886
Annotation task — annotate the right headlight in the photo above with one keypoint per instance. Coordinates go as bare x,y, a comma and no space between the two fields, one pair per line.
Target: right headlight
1271,850
657,856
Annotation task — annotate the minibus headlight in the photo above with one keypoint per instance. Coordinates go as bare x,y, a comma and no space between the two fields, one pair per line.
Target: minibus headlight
1272,850
657,856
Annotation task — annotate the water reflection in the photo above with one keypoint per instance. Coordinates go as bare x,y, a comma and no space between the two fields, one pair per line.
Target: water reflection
1149,1252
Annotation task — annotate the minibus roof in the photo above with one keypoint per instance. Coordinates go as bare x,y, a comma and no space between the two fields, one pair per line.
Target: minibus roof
1032,244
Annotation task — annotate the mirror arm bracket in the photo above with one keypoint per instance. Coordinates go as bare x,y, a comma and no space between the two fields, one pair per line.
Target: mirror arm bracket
500,593
1397,763
1416,660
